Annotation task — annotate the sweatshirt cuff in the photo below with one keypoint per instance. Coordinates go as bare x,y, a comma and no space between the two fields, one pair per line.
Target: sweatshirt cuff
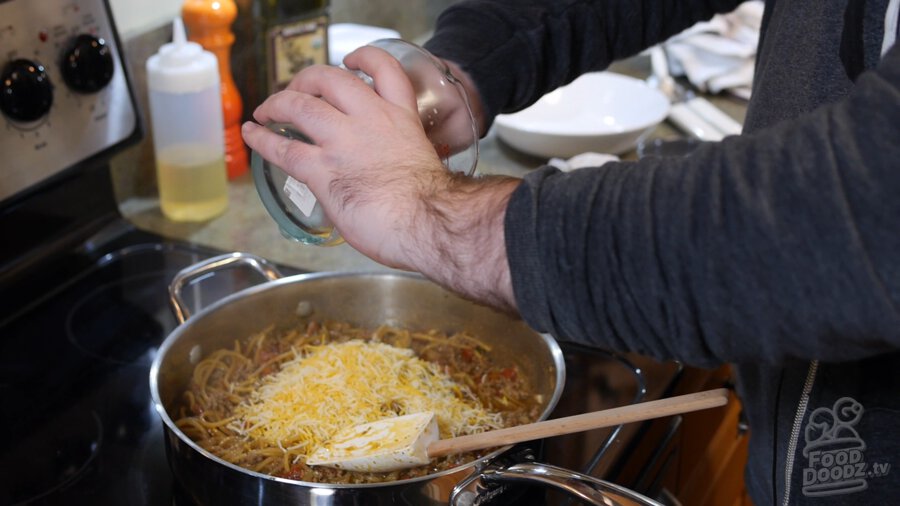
480,61
524,254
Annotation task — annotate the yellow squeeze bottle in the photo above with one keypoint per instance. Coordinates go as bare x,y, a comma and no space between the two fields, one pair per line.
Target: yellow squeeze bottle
187,124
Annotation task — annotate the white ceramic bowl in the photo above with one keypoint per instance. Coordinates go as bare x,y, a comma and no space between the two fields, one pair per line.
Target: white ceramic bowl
599,112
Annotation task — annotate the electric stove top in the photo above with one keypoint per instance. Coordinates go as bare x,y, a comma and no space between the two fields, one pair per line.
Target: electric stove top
77,425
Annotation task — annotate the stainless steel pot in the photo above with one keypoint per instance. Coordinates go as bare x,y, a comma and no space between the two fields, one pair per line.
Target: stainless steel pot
365,299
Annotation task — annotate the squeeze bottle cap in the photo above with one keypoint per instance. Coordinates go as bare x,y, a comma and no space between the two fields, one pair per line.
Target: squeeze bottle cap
181,66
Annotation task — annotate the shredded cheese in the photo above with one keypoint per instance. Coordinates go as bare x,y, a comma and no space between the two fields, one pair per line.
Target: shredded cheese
329,387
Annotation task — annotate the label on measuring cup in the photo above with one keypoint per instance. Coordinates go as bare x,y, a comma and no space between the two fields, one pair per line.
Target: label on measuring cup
300,195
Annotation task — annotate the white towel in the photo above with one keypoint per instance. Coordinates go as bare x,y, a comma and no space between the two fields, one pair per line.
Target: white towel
580,161
718,55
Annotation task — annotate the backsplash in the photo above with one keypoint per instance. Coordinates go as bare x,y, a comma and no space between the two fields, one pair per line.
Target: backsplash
133,170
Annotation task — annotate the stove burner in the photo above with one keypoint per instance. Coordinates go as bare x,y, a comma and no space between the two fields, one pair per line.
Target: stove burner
36,468
119,322
77,425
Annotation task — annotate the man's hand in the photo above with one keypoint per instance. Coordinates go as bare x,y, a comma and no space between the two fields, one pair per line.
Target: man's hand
380,181
370,162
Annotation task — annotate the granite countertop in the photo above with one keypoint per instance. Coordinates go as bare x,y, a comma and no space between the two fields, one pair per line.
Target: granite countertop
246,225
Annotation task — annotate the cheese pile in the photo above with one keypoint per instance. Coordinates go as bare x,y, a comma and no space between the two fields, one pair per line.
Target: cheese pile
330,387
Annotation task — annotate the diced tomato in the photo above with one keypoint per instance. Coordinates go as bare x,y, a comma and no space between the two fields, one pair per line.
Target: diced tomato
443,150
266,355
296,472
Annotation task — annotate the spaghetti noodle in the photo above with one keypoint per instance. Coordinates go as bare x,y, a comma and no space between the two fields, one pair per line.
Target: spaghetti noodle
273,398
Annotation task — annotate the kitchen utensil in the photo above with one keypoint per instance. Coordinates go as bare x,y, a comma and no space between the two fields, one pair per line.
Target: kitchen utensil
413,440
364,299
601,112
694,115
209,23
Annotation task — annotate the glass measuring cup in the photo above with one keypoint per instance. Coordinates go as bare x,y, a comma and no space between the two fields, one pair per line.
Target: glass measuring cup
438,93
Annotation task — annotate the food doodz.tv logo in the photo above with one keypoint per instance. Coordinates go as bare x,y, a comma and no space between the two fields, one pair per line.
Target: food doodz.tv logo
835,452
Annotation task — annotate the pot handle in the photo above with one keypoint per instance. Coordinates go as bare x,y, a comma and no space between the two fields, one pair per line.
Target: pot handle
587,488
208,266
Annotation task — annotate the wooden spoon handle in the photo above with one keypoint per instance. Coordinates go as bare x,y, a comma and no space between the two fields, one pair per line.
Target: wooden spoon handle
579,423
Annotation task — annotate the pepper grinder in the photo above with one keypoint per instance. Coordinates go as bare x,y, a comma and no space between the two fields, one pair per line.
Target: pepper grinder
209,23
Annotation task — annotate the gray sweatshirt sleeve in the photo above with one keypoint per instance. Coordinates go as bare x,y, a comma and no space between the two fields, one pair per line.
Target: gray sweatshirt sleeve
780,244
517,50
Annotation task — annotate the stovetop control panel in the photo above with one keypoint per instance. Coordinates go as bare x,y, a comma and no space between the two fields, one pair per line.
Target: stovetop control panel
64,95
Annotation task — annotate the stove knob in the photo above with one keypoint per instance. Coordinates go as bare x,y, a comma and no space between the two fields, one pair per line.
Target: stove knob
25,90
87,65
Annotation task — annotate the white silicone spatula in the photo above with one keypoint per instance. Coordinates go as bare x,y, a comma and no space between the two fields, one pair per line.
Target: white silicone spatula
413,440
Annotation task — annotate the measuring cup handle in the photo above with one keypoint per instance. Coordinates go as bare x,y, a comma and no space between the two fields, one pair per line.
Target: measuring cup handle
208,266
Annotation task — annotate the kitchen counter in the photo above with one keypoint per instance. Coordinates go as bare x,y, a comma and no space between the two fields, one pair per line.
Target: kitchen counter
246,225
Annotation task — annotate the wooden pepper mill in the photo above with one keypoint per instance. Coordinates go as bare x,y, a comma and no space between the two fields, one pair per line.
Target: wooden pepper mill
208,23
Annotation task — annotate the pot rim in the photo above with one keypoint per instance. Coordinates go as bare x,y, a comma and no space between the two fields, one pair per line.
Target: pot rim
175,335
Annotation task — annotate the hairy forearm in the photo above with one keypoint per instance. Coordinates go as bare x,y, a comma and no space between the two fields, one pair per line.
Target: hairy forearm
458,239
